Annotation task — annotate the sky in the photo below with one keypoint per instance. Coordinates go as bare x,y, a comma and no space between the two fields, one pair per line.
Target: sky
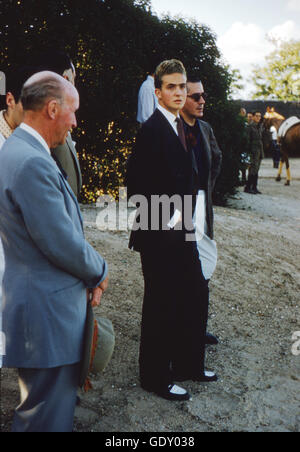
241,27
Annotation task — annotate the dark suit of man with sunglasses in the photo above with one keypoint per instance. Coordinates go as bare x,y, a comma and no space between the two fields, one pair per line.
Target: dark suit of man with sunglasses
202,142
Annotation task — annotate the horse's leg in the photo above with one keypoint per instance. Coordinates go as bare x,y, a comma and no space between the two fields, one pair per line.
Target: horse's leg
288,171
278,178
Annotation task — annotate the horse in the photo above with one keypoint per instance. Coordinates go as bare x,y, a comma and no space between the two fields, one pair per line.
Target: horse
289,145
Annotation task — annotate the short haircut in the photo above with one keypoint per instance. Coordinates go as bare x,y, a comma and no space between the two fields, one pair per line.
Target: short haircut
54,60
35,95
168,67
194,79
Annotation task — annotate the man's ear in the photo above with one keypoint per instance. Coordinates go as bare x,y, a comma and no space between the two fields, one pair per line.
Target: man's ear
52,109
10,100
158,93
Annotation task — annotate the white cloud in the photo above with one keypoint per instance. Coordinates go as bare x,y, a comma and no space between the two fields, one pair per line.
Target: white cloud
294,5
243,46
246,45
285,32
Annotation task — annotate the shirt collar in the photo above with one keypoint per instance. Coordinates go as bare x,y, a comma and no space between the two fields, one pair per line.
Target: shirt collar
170,117
36,135
5,129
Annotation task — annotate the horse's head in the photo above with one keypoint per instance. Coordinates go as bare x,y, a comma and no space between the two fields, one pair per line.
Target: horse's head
269,122
273,119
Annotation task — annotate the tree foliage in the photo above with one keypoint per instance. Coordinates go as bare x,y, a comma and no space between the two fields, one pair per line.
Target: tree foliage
114,45
280,77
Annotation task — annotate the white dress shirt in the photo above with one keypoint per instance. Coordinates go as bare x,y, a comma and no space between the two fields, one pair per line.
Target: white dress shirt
147,101
274,133
170,117
36,135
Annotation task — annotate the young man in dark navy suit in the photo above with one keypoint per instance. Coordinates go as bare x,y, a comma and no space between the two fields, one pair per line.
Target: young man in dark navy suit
175,302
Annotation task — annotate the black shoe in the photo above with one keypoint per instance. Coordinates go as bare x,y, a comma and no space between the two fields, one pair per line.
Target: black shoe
171,392
211,340
249,190
207,377
254,186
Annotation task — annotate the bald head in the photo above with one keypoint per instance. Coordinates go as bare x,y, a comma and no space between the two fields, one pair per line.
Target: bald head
50,103
44,87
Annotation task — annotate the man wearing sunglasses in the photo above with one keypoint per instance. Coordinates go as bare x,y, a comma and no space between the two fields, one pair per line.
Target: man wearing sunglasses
202,143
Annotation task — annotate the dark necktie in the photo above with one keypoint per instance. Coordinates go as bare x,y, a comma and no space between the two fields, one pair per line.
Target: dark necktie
181,133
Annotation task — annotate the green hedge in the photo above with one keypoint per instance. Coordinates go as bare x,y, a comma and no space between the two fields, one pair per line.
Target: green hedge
114,44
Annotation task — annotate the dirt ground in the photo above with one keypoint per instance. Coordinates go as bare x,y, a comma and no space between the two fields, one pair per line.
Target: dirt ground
254,311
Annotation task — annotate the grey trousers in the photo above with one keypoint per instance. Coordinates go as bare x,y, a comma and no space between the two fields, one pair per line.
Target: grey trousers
48,400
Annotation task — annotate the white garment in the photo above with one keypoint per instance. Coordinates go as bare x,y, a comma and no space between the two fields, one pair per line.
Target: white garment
207,248
36,135
170,117
274,133
286,125
147,100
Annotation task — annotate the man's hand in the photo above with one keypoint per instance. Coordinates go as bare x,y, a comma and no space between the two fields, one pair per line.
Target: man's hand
95,294
96,297
104,285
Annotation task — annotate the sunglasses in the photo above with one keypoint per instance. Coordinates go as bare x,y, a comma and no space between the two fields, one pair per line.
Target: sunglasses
197,96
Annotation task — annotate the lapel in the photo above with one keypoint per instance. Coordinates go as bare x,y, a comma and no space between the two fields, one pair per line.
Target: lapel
206,144
71,146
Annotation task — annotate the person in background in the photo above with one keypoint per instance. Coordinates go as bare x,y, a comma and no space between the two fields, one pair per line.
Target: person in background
12,116
243,113
275,147
246,118
147,100
256,152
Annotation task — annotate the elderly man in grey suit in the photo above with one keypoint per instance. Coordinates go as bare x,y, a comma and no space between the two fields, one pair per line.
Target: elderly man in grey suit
49,264
65,155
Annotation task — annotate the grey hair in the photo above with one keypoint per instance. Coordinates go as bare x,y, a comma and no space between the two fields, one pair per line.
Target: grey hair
34,96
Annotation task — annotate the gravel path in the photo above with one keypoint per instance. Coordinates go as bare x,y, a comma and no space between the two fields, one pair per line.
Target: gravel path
254,311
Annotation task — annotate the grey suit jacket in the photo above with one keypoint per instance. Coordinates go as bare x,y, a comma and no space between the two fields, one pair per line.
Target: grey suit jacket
49,264
67,157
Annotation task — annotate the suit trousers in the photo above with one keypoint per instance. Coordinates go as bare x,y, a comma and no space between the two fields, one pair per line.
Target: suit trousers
175,313
48,400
